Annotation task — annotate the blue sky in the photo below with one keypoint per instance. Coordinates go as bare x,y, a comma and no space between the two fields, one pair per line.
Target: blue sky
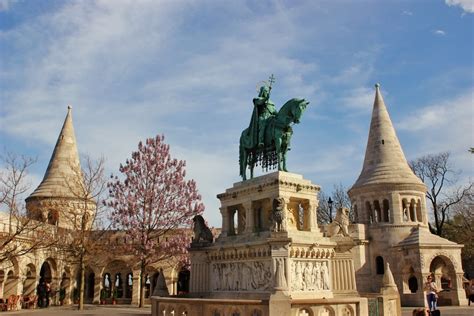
189,70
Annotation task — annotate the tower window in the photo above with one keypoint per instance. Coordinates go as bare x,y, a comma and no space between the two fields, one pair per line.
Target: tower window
379,265
383,142
413,284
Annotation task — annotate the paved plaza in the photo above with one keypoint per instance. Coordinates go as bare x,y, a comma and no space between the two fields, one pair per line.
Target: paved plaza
445,310
89,310
94,310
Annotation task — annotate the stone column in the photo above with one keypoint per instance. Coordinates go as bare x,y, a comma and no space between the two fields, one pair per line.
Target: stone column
396,214
225,221
460,295
54,300
2,286
424,215
97,289
313,217
249,217
136,287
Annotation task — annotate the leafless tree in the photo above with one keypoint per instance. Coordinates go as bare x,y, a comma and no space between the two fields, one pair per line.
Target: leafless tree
460,228
324,211
87,185
19,234
339,198
438,174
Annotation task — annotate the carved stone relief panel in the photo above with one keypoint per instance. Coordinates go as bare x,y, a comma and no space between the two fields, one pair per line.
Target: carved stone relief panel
242,276
310,275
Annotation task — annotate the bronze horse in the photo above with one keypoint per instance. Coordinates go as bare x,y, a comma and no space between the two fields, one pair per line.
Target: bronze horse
276,141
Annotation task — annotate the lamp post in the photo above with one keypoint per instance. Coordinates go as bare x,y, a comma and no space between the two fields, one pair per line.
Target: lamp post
330,209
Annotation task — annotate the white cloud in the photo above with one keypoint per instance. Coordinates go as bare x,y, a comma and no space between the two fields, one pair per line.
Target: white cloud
131,71
361,98
439,32
406,12
5,5
466,5
444,126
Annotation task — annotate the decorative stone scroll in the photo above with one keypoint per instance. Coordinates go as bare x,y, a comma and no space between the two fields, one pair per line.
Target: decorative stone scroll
310,275
242,276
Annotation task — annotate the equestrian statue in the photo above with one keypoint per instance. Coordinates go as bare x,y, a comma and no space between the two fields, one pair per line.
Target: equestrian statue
267,139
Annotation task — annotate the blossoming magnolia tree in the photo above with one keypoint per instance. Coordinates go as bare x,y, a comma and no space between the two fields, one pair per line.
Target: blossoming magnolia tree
152,203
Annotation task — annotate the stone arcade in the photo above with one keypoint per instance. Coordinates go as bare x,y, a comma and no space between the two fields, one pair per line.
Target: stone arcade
53,202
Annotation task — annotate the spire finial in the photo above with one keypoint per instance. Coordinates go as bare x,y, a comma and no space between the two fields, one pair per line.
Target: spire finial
69,107
377,85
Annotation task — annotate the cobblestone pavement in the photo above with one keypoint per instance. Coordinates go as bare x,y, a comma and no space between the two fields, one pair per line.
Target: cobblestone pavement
89,310
445,310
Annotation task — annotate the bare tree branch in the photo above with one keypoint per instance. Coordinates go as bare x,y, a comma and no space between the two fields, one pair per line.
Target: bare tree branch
436,172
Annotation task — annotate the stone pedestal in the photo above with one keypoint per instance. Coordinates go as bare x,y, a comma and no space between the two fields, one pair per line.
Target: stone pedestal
270,258
279,304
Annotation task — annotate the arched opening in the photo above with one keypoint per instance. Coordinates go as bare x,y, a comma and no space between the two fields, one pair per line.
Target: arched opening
217,312
258,312
347,311
386,211
377,212
236,312
444,274
326,311
116,272
300,217
30,281
379,265
356,213
147,286
118,285
233,222
129,287
46,273
258,219
406,216
183,281
413,284
64,293
10,284
44,285
90,285
107,286
368,210
2,278
53,217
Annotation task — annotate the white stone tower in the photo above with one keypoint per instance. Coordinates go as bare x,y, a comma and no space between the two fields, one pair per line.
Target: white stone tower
387,192
60,198
390,207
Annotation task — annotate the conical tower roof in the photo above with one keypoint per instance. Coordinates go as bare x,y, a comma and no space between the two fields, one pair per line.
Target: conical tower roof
63,178
384,159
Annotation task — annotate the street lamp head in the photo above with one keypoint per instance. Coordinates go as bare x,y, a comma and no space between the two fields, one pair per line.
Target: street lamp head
330,202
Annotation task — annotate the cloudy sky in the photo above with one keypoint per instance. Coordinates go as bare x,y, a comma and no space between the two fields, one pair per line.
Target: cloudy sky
189,70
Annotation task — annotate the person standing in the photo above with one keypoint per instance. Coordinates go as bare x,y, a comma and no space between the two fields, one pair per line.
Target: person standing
471,292
431,290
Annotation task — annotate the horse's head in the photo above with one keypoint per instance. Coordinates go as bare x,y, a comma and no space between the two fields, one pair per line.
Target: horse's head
298,108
